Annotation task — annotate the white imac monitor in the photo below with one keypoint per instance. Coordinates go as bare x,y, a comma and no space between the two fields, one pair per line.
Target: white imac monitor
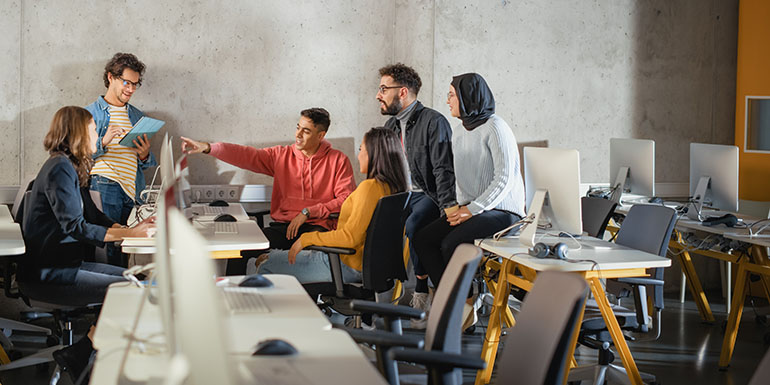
632,167
713,178
167,174
552,182
184,193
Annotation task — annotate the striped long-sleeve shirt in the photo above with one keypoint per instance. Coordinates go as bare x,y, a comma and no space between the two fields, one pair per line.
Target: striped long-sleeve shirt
118,163
487,170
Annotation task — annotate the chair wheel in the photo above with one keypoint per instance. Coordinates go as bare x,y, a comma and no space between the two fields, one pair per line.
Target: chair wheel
470,330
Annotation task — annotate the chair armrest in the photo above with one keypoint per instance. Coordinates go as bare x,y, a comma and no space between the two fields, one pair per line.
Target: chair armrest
259,216
386,309
641,281
431,358
332,250
383,338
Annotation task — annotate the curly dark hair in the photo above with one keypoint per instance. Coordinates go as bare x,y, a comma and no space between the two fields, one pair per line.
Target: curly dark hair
121,61
319,117
403,75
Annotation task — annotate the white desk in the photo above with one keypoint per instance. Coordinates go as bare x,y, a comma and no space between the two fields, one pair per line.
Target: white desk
613,261
326,356
249,237
5,215
11,241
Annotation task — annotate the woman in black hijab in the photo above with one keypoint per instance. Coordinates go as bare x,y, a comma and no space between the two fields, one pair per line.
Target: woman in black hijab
489,186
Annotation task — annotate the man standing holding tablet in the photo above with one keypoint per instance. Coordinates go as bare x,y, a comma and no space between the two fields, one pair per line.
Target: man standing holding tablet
117,173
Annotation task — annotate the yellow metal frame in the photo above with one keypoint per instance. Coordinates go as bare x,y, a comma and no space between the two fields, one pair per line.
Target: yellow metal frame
4,357
759,265
501,314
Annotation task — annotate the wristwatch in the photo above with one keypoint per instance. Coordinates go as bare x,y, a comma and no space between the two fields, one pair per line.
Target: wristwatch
306,212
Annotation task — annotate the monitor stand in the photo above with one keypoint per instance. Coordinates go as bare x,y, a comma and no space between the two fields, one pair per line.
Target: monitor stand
527,236
620,184
697,198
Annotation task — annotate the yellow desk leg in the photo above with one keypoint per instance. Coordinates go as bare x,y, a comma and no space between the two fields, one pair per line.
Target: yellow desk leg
3,357
694,283
615,332
492,287
492,338
734,320
759,255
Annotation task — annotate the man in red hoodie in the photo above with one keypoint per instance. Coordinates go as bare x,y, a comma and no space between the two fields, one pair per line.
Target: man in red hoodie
310,178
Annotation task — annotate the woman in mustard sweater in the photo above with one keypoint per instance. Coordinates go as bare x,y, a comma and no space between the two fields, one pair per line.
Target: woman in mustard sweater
382,160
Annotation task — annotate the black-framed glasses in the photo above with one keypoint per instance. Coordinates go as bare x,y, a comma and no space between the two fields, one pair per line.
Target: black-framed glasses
130,83
382,89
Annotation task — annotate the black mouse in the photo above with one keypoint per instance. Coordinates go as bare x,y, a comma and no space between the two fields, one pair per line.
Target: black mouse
255,280
728,220
655,200
219,203
224,218
274,347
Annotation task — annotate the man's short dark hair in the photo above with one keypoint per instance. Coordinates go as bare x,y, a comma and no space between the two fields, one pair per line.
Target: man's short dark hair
119,62
319,117
403,75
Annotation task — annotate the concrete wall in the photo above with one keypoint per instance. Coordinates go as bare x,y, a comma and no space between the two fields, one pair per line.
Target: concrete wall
573,72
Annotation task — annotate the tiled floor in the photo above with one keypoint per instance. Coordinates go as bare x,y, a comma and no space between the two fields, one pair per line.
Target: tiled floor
686,353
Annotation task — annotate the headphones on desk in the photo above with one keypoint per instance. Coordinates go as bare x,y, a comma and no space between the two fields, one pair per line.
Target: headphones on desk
557,251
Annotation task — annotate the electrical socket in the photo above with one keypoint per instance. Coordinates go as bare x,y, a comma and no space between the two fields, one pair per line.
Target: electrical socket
208,193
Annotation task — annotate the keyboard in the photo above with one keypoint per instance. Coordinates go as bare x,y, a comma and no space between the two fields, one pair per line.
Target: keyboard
225,228
244,300
213,210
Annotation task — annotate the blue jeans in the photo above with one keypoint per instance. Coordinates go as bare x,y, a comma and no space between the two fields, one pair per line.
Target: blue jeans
424,211
311,266
117,206
88,287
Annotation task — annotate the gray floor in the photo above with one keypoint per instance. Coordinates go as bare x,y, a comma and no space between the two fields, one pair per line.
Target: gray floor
687,352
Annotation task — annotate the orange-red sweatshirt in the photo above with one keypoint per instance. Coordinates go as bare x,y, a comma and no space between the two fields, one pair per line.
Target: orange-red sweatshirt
320,182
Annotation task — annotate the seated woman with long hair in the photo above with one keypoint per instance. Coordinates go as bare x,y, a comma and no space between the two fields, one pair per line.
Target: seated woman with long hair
59,234
382,161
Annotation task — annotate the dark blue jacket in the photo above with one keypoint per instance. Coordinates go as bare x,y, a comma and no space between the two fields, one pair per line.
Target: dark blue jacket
56,232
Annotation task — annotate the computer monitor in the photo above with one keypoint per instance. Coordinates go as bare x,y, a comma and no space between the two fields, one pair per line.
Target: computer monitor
167,174
184,193
632,167
713,177
552,183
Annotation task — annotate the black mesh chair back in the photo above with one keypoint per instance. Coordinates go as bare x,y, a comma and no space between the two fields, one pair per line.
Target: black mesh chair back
596,214
385,243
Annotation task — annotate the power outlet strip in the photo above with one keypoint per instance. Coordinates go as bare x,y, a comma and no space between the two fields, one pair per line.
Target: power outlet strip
209,193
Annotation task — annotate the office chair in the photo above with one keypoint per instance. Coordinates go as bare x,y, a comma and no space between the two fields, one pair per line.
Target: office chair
647,228
442,342
538,347
597,212
383,262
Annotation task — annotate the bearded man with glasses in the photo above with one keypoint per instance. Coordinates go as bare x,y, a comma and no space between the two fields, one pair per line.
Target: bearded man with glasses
426,138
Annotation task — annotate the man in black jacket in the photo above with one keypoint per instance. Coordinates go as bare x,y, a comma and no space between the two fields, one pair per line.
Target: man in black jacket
426,137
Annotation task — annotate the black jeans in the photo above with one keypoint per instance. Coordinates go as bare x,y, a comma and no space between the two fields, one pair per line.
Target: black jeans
436,242
89,285
424,211
276,234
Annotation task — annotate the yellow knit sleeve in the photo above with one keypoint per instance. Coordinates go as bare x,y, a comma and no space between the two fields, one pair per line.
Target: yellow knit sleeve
355,214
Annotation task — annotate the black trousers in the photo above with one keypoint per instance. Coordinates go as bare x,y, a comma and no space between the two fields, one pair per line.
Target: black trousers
276,234
436,242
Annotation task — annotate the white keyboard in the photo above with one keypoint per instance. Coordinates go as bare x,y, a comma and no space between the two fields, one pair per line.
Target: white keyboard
244,300
213,210
225,228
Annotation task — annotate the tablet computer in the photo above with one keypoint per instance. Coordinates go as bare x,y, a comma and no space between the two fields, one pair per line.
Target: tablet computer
145,125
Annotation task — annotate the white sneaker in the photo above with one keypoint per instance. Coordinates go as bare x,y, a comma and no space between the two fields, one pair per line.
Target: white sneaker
420,301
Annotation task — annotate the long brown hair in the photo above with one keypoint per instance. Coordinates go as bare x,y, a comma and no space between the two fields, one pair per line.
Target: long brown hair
69,135
386,159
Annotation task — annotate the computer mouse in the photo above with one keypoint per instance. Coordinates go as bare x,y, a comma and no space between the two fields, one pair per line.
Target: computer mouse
255,280
219,203
657,200
224,218
728,220
274,347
